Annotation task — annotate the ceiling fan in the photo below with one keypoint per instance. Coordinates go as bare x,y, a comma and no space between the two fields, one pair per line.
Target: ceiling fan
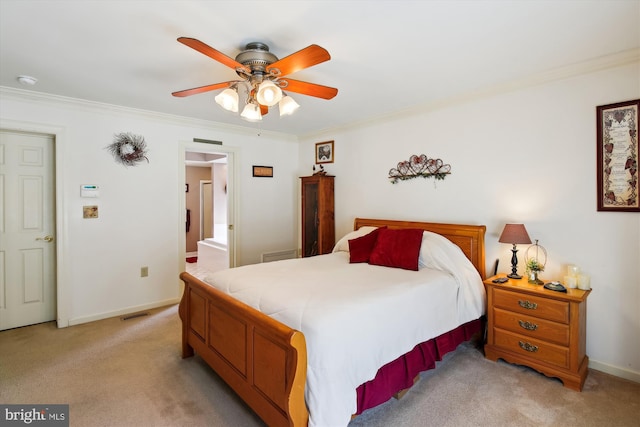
264,77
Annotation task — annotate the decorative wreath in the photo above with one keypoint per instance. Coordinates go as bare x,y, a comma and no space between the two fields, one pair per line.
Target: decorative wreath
419,166
128,148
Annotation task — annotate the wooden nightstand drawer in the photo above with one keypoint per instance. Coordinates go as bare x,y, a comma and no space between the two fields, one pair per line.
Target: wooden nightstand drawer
532,326
531,347
532,305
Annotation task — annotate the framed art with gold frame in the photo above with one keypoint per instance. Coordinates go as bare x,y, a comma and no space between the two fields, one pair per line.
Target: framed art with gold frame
617,153
324,152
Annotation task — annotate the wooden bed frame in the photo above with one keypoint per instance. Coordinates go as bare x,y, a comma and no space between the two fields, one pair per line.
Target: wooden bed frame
263,360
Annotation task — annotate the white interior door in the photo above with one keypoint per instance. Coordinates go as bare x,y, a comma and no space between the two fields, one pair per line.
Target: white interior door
27,229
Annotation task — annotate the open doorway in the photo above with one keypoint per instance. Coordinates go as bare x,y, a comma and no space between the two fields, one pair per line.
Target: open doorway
207,207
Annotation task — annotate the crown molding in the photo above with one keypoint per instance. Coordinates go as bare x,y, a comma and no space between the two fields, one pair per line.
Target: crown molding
619,59
593,65
101,108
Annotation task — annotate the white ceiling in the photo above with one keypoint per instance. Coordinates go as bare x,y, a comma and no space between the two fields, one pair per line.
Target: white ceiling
386,56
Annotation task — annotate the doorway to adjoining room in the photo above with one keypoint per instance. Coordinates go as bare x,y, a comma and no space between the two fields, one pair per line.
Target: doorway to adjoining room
206,216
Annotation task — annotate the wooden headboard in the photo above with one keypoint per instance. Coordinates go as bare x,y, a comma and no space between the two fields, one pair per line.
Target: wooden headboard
470,238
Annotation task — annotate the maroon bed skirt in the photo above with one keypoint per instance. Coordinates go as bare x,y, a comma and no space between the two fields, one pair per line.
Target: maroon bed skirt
400,373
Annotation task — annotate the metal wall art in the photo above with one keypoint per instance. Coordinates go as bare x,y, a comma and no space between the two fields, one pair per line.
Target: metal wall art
419,166
128,148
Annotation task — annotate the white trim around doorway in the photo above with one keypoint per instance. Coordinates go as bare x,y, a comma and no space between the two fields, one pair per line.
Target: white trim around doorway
62,241
233,211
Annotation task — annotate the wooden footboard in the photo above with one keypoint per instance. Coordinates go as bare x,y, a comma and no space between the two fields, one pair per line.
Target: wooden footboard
262,360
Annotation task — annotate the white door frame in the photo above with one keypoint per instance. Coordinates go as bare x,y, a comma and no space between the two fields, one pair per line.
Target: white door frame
233,160
201,189
62,240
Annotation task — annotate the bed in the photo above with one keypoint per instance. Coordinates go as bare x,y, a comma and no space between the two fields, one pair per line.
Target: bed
310,351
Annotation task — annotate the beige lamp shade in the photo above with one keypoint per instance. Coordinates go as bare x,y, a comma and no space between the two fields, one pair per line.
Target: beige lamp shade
287,105
251,113
228,99
268,94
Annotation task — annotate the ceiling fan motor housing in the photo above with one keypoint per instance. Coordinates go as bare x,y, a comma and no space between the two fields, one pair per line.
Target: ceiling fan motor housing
257,57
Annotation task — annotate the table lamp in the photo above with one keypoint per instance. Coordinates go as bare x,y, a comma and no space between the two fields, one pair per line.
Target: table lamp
514,234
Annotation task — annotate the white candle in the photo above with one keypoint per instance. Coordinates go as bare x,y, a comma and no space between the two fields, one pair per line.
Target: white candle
573,270
584,282
571,282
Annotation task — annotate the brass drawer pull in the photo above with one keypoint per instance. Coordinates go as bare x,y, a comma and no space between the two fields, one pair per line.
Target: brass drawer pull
528,347
528,325
528,305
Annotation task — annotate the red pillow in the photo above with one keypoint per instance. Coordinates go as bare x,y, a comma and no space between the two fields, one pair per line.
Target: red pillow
397,248
360,248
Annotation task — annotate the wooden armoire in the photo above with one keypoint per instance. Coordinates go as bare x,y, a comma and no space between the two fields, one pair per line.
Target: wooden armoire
318,225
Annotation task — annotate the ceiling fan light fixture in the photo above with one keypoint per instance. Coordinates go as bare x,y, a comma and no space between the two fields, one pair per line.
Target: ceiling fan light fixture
269,93
251,113
287,106
228,99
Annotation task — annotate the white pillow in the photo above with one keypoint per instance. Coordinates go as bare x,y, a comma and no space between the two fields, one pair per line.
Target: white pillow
343,244
442,254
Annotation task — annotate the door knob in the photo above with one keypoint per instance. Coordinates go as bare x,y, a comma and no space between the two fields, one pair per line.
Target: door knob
46,238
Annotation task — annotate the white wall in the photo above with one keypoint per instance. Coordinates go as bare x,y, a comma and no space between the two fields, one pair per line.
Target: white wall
528,156
141,222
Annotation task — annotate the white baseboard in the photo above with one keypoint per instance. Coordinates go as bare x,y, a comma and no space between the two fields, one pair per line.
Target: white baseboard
615,371
128,310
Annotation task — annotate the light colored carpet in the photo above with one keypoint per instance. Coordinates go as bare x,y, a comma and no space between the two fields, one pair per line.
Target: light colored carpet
129,373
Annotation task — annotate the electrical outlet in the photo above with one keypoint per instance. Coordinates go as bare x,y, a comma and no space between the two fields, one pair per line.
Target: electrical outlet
144,271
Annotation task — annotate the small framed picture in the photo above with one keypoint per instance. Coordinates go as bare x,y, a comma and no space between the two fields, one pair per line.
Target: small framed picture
263,171
324,152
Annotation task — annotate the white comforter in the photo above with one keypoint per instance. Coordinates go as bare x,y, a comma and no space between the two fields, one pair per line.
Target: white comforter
358,317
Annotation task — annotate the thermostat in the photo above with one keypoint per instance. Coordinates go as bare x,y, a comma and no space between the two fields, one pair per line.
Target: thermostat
89,190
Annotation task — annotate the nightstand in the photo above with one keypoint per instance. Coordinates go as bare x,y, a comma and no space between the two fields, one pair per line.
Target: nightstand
543,329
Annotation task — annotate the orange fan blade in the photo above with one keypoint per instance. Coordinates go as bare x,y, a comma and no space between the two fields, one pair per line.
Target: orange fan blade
305,58
211,53
311,89
201,89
